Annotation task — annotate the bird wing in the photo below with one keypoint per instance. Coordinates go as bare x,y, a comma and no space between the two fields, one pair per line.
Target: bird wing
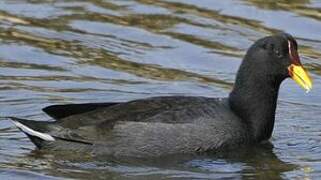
169,110
61,111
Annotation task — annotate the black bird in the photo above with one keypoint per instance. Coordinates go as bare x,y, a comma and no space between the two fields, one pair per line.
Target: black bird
179,124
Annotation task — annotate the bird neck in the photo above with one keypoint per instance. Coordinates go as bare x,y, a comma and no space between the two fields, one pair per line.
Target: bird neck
254,100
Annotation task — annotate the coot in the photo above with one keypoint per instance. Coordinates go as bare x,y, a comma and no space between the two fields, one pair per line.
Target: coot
179,124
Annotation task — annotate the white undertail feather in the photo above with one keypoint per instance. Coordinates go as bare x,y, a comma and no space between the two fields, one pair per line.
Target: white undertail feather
32,132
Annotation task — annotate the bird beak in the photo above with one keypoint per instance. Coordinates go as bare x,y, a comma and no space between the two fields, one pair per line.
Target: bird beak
300,76
296,70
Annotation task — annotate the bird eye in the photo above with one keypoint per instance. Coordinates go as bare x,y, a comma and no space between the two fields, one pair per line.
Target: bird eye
278,53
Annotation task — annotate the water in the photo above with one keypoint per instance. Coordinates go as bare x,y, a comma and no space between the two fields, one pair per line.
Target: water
62,51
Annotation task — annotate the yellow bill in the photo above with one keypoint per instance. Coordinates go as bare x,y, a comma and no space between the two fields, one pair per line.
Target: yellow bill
300,76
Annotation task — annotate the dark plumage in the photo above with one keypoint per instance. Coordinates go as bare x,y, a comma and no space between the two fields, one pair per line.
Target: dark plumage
178,124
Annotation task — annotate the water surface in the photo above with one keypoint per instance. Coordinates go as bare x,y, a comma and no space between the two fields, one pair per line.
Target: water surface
72,51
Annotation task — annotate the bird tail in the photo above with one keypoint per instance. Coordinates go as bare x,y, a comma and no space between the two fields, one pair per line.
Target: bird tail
36,131
51,136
